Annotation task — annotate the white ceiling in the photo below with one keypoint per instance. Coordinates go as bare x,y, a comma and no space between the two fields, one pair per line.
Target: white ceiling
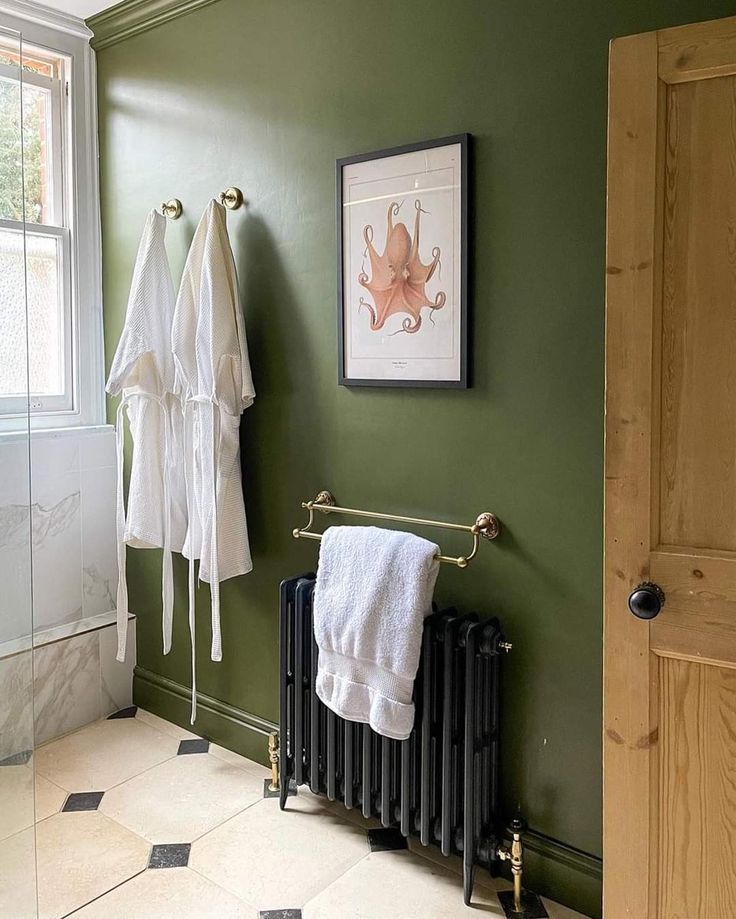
82,8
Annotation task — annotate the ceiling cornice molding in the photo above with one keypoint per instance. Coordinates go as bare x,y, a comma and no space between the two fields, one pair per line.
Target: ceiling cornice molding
45,16
131,17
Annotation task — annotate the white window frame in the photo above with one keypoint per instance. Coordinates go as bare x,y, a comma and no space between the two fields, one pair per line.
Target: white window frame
60,186
68,37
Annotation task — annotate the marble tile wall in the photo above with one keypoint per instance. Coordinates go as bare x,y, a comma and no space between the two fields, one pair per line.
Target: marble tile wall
66,685
16,706
75,681
15,540
57,533
70,527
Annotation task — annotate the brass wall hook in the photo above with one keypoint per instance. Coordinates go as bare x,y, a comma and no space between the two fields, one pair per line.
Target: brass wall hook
232,198
172,208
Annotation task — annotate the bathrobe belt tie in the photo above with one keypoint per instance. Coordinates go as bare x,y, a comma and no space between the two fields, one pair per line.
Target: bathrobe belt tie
214,435
167,575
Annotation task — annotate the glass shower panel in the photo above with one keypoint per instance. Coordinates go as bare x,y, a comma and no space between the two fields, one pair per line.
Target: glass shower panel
18,888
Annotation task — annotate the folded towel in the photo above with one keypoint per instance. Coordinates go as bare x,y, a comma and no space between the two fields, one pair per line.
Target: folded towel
374,588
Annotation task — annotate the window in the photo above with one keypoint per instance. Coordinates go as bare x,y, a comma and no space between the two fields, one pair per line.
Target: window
50,306
35,273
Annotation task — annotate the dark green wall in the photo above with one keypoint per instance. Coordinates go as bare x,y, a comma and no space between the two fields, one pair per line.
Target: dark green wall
265,95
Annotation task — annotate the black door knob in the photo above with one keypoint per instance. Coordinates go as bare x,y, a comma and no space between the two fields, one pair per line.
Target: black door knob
646,600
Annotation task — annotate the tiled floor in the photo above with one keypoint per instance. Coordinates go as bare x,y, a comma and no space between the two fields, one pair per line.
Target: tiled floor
134,821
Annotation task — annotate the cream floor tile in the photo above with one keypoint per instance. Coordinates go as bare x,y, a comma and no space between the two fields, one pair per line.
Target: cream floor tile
18,876
236,759
228,756
338,809
454,864
81,856
170,893
18,807
388,884
103,754
165,727
16,799
49,798
182,798
276,859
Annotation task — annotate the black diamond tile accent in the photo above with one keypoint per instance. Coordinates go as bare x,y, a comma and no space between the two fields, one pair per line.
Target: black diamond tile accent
17,759
82,801
129,712
267,793
386,838
280,914
170,855
531,906
200,745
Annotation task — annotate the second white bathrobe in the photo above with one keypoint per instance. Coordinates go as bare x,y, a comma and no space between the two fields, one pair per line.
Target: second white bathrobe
213,372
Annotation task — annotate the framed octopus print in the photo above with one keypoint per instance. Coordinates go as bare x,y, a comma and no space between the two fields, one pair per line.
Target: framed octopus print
402,227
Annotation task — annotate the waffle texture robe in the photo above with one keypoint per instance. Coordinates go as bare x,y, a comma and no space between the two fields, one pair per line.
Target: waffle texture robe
143,372
214,376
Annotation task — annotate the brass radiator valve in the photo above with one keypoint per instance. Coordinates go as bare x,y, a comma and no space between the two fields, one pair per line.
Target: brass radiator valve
273,755
519,903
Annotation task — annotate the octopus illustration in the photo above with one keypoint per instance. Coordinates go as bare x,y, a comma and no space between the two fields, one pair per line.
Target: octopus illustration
399,277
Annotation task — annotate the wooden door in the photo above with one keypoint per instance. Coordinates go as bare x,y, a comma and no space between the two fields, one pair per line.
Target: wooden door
670,491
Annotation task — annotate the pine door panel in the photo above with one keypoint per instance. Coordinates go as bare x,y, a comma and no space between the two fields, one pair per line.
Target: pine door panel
670,489
698,439
697,774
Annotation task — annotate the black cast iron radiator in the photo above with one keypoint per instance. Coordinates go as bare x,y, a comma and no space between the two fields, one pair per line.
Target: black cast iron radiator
442,783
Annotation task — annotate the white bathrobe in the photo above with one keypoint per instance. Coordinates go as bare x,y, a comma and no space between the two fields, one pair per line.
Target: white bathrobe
143,370
213,372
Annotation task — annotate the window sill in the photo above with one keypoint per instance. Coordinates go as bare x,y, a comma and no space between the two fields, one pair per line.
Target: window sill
38,433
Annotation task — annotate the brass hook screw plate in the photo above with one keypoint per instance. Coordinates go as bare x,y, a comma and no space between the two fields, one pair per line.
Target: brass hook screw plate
489,526
172,208
324,500
232,198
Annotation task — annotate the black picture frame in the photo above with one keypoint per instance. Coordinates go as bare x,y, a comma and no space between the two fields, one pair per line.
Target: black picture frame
464,142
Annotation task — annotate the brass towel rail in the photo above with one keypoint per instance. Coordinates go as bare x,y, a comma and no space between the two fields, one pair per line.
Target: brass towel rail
487,525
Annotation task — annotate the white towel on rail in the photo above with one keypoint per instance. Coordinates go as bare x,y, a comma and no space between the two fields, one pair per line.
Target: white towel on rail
374,588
